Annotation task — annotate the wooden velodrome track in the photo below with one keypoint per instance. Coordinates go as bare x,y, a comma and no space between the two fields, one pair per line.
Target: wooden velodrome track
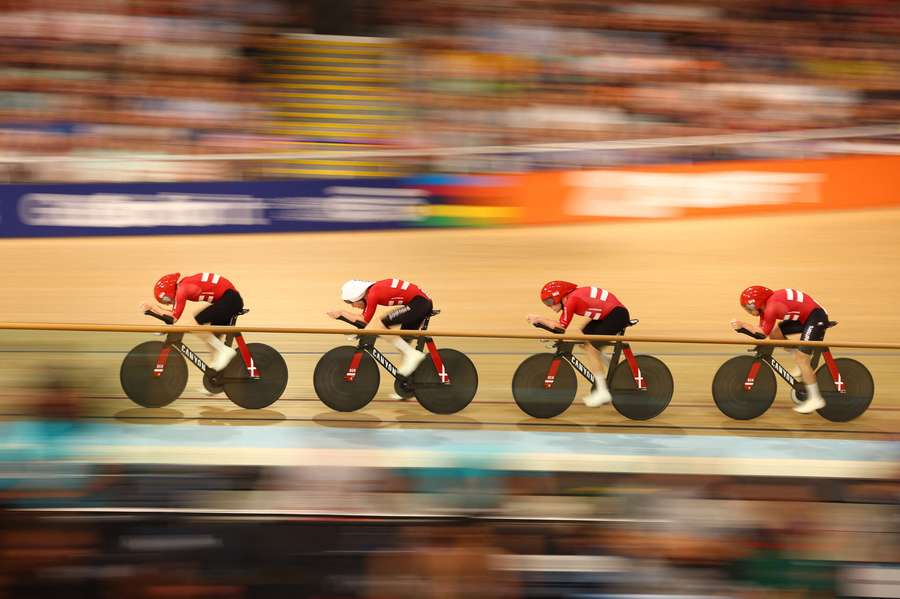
681,278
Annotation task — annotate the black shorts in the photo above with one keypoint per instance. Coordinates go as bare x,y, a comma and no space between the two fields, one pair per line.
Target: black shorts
812,329
222,311
614,323
411,316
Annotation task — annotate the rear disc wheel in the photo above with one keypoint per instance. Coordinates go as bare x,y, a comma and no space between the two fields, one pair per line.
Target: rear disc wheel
647,403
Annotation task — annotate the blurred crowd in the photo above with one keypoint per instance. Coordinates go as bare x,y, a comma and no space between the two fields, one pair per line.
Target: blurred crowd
523,71
114,77
73,527
89,77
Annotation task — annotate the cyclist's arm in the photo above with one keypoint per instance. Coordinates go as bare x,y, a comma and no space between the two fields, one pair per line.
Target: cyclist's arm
348,315
737,325
547,322
337,314
742,327
158,309
767,320
182,295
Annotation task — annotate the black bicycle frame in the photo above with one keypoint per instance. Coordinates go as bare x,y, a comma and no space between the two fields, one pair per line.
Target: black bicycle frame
564,352
176,340
764,355
367,345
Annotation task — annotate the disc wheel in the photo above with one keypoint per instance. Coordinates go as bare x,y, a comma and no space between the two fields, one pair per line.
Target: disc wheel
528,386
339,394
137,375
859,390
438,397
261,391
731,397
647,403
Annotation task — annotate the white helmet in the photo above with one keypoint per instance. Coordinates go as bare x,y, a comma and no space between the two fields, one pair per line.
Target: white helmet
354,290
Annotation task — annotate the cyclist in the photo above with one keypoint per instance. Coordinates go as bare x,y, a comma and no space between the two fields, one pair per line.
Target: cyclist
798,313
172,292
606,314
413,307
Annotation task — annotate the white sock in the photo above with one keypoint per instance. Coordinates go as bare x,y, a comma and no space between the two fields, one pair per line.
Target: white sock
214,343
600,382
813,391
402,345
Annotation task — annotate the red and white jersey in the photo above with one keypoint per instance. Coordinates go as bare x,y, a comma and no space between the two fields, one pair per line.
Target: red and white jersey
594,302
786,304
390,292
201,287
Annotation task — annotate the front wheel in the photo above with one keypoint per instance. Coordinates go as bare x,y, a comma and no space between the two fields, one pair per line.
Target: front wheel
528,386
859,388
260,385
332,387
138,379
729,392
440,398
647,403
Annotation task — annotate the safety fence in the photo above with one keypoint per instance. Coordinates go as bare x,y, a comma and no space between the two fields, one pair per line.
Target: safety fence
166,329
657,383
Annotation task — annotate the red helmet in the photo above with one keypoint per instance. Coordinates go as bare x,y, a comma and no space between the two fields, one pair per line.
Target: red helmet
553,292
164,289
754,298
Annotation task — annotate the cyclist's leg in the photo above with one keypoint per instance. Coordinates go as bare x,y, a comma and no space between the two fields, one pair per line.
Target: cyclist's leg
409,317
801,368
615,322
220,313
780,333
813,330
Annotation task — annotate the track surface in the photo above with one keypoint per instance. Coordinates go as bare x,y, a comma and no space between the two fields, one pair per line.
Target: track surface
681,278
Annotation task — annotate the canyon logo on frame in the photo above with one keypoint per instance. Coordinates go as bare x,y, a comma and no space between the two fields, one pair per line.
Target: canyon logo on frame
721,188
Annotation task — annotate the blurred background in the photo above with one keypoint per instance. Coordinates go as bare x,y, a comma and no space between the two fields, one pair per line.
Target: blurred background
83,78
667,150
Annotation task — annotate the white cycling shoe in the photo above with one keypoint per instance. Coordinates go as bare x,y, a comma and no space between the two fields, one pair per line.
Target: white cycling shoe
222,358
597,397
810,405
411,361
